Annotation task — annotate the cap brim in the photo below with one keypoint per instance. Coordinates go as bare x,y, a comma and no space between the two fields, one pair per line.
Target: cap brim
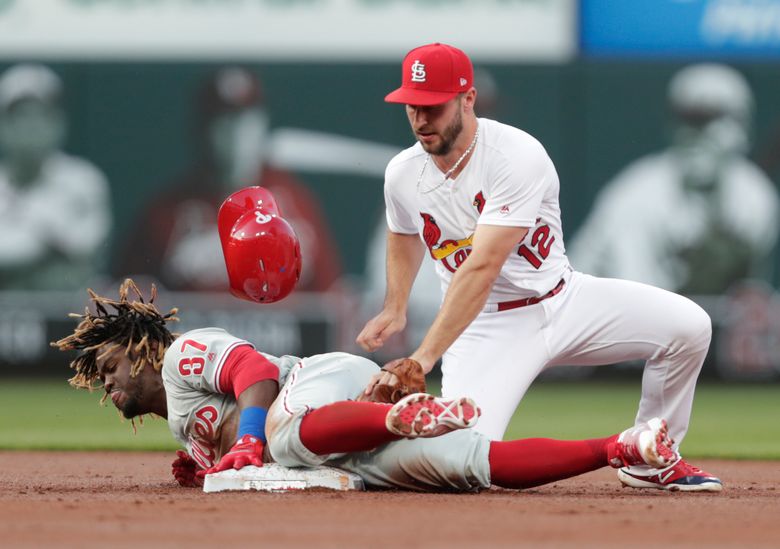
410,96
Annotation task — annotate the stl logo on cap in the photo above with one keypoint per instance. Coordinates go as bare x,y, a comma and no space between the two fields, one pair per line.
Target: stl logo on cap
433,74
418,71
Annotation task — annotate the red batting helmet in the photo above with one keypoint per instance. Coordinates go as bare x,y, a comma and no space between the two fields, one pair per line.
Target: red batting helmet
240,202
262,252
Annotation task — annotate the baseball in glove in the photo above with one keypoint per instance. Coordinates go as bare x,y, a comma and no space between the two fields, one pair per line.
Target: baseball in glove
407,378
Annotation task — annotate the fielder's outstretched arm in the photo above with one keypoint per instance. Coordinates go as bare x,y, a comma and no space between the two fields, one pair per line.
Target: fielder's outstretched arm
469,289
404,257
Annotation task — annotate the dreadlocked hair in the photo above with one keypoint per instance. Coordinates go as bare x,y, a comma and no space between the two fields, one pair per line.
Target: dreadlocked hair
130,324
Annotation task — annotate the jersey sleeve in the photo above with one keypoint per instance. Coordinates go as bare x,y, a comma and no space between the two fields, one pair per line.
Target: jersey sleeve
517,185
194,361
243,368
400,215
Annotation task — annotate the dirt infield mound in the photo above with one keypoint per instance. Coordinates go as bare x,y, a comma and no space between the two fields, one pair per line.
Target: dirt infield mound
128,499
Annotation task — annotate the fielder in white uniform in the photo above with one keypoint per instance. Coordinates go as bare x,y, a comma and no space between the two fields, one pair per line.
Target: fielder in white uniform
208,385
481,198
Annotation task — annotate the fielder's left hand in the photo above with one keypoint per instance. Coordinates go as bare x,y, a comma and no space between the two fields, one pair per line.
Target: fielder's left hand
378,329
248,450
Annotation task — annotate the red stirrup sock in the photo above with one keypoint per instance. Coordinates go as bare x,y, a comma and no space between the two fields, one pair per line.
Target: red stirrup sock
534,461
346,427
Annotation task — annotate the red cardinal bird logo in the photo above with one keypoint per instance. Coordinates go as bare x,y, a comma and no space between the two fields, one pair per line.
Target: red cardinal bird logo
458,249
431,231
479,202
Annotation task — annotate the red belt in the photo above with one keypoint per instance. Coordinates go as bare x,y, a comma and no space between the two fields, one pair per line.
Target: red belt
507,305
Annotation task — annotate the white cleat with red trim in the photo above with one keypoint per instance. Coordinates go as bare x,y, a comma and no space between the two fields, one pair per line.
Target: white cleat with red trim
423,415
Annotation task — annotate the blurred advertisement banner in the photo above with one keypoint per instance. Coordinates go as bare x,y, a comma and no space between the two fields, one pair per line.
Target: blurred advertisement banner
511,30
732,28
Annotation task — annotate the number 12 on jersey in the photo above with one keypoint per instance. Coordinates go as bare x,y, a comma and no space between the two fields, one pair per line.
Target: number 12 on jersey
542,241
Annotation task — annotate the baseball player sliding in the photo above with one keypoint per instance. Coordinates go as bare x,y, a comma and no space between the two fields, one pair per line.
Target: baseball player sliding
481,198
223,402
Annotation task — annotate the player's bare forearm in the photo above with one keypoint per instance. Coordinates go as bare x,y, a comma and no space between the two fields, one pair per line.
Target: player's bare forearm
404,256
468,291
249,448
261,394
465,298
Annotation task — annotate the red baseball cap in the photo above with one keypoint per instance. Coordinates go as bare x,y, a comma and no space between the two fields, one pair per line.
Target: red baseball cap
433,74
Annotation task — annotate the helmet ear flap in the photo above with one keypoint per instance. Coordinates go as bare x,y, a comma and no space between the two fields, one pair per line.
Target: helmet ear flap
262,252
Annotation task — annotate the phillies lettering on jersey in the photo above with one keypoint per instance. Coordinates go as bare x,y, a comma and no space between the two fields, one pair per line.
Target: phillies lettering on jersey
508,181
202,439
197,404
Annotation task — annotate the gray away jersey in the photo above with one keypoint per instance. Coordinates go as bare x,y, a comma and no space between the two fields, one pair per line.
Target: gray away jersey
197,405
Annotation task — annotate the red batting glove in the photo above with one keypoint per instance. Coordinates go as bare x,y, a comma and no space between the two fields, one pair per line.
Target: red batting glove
185,470
248,450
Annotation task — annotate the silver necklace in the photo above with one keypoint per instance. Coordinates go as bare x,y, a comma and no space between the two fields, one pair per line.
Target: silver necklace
449,172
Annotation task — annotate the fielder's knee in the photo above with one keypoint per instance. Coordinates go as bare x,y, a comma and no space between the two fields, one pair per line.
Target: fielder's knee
693,329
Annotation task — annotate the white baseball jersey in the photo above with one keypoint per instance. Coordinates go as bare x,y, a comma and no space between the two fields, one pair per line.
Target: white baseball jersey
197,405
510,181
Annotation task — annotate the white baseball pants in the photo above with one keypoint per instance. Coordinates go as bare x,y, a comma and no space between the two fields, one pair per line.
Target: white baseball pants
455,461
592,321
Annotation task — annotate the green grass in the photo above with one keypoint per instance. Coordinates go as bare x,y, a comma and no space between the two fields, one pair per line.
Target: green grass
47,415
740,421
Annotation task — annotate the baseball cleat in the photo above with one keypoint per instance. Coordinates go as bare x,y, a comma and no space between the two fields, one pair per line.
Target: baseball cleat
681,476
644,444
424,415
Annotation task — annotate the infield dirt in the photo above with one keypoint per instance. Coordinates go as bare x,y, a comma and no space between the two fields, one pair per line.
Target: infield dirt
81,499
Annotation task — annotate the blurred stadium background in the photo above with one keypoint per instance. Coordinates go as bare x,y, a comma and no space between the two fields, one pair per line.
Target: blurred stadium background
123,123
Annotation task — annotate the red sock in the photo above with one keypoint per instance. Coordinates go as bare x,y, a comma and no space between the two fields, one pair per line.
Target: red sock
346,427
534,461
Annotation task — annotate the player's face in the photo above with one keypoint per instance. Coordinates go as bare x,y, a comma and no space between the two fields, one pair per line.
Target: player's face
129,394
437,127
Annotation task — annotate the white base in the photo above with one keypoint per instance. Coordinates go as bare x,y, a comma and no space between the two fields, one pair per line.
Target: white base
277,478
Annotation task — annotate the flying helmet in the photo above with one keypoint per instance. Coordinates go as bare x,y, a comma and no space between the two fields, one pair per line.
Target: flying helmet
262,252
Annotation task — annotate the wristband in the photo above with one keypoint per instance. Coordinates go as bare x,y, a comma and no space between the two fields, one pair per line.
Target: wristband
252,422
